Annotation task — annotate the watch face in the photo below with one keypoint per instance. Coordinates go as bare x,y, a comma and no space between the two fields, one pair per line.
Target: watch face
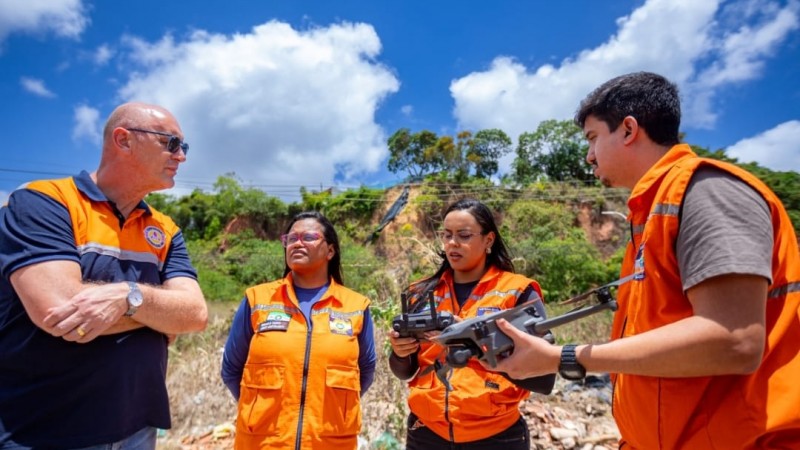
135,296
573,374
136,299
570,368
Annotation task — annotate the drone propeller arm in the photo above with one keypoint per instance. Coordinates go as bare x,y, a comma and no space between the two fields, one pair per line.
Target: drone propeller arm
544,325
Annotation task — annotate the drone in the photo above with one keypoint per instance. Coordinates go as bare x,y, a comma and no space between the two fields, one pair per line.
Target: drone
479,337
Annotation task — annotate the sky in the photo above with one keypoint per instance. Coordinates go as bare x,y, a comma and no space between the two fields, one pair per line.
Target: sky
287,93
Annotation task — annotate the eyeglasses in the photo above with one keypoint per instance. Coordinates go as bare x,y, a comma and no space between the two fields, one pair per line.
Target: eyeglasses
305,238
462,237
173,144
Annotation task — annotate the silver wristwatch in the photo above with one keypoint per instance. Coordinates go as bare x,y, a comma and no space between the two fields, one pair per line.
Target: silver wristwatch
134,298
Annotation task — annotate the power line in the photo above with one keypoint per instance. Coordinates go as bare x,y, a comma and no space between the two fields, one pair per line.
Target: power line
450,190
40,172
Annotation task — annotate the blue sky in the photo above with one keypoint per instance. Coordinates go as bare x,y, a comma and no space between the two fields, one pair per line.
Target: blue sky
287,93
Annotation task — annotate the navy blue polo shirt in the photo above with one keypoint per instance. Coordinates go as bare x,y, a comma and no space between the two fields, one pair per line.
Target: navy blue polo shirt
58,394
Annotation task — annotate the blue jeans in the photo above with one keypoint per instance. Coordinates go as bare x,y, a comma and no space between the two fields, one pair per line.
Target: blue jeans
144,439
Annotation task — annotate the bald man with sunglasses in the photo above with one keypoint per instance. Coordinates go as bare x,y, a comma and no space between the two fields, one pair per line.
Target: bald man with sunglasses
94,285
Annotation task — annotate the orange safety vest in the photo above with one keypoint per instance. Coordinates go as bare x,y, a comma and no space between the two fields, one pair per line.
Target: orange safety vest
481,403
98,231
756,411
300,387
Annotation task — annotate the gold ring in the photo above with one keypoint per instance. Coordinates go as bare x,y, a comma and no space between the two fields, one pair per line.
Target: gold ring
81,332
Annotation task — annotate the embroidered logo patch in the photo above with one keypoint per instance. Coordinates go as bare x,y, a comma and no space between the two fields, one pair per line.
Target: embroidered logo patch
341,326
276,321
154,236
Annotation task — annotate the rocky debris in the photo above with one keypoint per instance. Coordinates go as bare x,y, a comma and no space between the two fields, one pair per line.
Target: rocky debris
576,416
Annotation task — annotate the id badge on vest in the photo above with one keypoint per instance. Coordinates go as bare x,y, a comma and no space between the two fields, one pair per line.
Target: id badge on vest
482,311
276,321
638,264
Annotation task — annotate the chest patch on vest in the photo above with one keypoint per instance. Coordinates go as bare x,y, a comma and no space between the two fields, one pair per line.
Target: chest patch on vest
638,264
487,310
276,321
340,325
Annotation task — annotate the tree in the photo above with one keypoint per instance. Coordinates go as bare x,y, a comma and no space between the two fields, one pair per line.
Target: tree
486,149
424,153
410,152
453,155
190,212
444,155
556,151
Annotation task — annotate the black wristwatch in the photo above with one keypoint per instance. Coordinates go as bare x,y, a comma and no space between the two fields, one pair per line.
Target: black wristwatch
570,368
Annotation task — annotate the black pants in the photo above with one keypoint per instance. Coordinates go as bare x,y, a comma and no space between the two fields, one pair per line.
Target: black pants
516,437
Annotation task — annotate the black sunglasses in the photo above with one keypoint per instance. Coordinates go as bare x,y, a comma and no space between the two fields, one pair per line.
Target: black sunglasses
173,144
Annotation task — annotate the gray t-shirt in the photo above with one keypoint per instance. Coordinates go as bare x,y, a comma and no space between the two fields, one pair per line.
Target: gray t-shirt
725,228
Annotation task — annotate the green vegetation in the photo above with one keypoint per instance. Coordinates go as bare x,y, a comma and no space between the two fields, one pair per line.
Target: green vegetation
232,232
549,210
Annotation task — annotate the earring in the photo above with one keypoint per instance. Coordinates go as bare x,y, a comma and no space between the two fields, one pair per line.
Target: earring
489,250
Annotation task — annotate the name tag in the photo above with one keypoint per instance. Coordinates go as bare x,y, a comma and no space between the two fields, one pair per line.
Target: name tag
487,310
276,321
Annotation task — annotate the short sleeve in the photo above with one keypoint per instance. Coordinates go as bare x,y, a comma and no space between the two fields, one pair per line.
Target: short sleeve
34,228
178,263
725,228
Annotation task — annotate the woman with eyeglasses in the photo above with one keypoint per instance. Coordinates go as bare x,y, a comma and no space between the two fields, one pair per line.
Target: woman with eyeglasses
476,277
301,353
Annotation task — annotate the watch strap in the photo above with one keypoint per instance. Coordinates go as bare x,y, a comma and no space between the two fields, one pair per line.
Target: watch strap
569,367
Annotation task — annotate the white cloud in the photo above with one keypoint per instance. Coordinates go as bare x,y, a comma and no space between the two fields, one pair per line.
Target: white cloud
87,124
65,18
4,197
36,87
276,106
693,42
774,149
102,55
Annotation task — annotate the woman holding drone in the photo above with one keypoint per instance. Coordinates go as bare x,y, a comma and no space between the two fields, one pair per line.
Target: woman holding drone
479,409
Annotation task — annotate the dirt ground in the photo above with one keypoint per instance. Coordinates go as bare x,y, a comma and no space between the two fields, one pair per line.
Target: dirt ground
573,416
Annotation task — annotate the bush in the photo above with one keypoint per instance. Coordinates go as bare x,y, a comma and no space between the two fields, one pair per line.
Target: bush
254,261
367,274
218,286
537,220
